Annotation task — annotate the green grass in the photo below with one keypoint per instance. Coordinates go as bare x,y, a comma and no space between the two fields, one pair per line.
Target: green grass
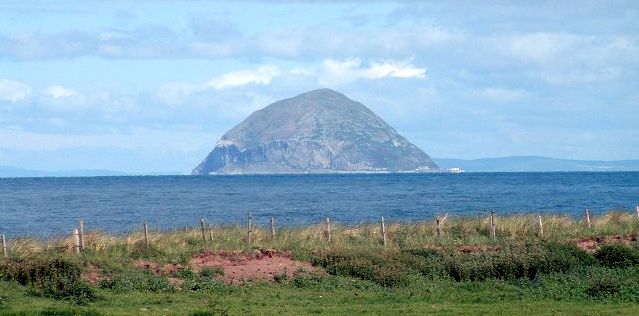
464,272
497,297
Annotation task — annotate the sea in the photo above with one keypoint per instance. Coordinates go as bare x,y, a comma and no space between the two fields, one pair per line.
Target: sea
52,207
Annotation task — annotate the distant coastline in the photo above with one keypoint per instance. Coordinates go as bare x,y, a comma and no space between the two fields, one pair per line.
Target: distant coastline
497,164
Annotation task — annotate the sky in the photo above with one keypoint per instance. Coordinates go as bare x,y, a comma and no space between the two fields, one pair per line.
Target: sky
149,86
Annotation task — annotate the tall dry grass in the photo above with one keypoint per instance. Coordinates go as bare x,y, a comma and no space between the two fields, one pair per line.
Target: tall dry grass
176,245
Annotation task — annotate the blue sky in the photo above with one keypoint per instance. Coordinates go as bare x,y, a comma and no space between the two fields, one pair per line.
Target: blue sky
149,86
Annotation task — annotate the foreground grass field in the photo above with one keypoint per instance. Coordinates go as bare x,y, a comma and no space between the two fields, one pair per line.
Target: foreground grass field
569,270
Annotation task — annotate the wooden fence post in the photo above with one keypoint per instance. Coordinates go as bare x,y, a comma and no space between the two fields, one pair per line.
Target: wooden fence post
327,231
4,247
249,229
383,231
76,239
272,227
203,227
588,219
541,227
81,235
211,233
146,234
438,225
492,224
637,211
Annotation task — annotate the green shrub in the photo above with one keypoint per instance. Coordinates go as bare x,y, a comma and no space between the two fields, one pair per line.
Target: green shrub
126,283
209,285
68,312
564,257
516,261
617,256
331,282
54,278
281,278
603,288
140,250
382,268
187,274
215,312
211,272
429,262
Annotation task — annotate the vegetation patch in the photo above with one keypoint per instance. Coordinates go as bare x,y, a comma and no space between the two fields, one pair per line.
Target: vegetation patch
56,278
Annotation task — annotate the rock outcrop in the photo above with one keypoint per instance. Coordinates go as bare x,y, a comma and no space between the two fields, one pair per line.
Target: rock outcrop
321,131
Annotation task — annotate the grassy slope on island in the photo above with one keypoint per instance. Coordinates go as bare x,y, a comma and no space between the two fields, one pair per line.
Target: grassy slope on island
463,272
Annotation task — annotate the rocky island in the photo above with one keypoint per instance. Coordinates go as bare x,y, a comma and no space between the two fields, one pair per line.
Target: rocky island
321,131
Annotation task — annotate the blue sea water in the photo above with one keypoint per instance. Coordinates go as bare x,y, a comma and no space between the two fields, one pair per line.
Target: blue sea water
52,206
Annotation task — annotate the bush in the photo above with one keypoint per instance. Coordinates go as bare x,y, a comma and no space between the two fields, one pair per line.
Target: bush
617,256
382,268
126,283
564,257
603,288
516,261
141,250
67,312
186,274
211,272
209,285
429,262
54,278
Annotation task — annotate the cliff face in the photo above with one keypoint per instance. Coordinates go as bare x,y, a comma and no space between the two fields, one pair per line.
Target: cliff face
320,131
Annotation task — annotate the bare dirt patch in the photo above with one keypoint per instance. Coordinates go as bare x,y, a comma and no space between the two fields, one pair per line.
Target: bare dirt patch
262,265
592,244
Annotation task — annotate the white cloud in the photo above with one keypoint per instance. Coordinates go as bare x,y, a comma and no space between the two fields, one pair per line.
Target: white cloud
13,91
262,75
176,91
59,92
349,70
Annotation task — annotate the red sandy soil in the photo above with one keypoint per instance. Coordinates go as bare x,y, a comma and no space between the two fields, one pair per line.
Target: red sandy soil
239,267
261,265
592,244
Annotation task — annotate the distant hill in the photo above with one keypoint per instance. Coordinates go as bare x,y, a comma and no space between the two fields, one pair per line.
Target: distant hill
536,164
321,131
12,172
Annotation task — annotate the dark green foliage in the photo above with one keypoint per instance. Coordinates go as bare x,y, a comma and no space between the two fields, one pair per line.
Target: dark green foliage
68,312
330,283
140,250
216,312
54,278
187,274
603,288
564,257
382,268
516,261
429,262
617,256
127,282
211,272
208,285
511,261
281,278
